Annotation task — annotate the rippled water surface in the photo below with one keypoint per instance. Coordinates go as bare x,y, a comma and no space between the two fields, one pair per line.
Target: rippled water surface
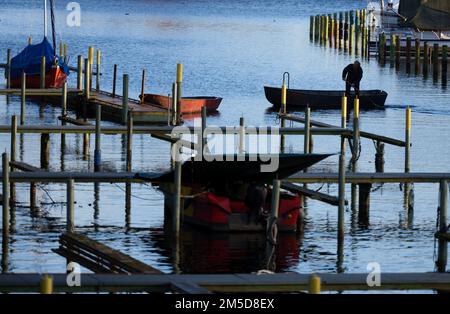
229,49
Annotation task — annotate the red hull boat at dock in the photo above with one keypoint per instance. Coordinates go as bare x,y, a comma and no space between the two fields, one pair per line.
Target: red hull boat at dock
187,105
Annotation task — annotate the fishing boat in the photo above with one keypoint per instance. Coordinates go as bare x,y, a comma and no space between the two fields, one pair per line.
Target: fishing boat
29,61
234,196
325,99
188,105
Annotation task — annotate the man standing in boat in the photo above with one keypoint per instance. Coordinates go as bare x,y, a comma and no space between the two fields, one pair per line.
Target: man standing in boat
352,75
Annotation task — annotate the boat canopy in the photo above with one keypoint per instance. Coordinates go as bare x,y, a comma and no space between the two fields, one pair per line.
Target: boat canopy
426,14
29,60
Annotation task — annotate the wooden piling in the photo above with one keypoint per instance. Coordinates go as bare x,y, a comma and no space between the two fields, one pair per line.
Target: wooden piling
5,197
408,53
341,210
142,86
417,54
114,80
30,40
125,99
46,284
316,27
314,284
435,60
241,135
379,157
129,143
65,53
203,135
333,33
392,49
8,68
23,87
177,194
364,203
13,154
70,222
441,262
336,32
91,65
80,72
311,28
444,63
87,84
97,75
341,31
45,150
382,48
98,149
407,138
179,89
42,74
64,100
325,31
307,136
425,57
350,38
174,105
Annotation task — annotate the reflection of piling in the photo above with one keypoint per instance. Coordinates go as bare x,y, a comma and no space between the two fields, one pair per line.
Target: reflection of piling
408,53
307,136
382,48
397,51
5,196
70,206
13,155
364,203
425,58
23,87
417,55
435,61
45,150
444,63
98,150
311,27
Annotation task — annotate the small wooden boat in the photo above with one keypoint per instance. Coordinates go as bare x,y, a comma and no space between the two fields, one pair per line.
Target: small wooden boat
188,104
322,99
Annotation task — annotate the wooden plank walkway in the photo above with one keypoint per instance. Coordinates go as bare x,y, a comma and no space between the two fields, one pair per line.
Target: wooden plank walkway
269,283
372,136
98,257
329,199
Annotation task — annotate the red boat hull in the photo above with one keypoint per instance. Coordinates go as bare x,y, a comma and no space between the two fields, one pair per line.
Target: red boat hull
54,78
220,213
188,104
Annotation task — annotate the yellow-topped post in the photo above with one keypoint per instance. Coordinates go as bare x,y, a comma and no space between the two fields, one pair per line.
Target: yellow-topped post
61,49
283,98
47,284
314,284
91,63
407,137
97,82
65,52
341,187
179,88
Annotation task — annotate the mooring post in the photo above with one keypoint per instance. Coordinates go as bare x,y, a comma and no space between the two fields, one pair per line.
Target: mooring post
61,49
177,192
23,87
307,136
283,113
45,150
383,48
114,81
443,207
98,149
321,30
444,63
435,61
426,58
345,30
241,135
5,196
70,206
13,154
364,203
129,143
325,29
179,90
417,54
174,105
125,99
407,138
379,157
408,53
97,76
142,86
316,28
46,284
314,284
391,48
204,146
311,27
341,209
356,135
398,48
64,100
32,198
8,68
336,31
87,84
333,33
80,72
91,65
42,75
65,53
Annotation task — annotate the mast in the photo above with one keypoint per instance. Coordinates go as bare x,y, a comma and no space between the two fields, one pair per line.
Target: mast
45,18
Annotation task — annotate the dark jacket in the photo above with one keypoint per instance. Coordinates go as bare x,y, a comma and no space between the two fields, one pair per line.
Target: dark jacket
351,75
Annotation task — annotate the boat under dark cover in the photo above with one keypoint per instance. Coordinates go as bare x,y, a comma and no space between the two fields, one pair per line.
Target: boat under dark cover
322,99
205,172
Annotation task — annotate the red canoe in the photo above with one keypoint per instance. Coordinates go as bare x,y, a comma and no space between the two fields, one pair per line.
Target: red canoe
188,104
54,78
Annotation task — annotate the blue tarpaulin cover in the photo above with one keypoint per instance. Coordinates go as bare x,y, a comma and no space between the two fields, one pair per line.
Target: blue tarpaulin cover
29,60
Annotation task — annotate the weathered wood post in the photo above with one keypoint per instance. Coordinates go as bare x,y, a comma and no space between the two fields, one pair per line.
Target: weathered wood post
65,53
391,49
314,286
80,72
311,28
325,29
283,113
435,61
42,75
142,86
426,58
129,159
379,157
355,149
46,284
23,88
64,100
407,186
271,228
441,262
97,76
364,203
125,99
70,221
13,155
5,197
408,54
61,54
45,150
8,68
114,80
87,84
307,136
382,52
330,30
174,105
241,135
322,27
177,192
444,63
98,149
417,55
179,90
316,28
341,210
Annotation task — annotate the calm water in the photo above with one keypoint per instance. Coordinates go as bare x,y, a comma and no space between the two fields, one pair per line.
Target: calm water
230,49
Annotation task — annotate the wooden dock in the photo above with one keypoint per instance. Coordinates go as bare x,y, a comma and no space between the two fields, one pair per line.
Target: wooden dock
226,283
